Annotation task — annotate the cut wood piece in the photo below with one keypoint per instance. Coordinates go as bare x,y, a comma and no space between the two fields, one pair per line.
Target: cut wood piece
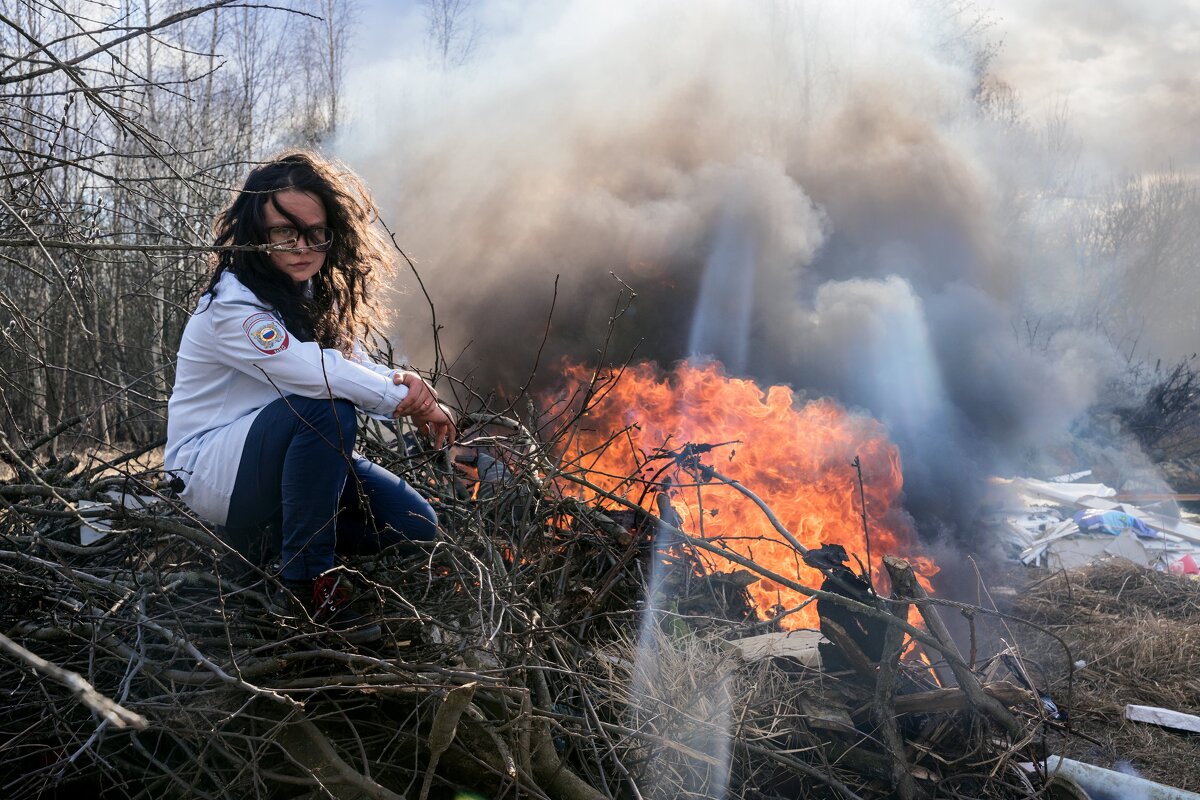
800,645
1175,720
953,699
826,716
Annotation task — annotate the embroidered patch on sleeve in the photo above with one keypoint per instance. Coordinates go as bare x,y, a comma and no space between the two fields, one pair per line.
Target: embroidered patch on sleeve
266,333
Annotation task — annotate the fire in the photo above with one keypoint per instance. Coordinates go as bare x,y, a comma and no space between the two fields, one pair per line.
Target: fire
795,456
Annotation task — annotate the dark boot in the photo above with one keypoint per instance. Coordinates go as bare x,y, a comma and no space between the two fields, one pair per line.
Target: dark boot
326,600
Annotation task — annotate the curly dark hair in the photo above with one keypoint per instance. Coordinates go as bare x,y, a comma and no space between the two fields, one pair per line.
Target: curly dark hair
342,304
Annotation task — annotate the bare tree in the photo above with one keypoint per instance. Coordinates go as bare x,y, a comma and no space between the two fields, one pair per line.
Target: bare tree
453,30
122,129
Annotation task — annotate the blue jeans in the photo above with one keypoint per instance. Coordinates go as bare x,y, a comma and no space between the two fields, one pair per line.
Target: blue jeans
293,478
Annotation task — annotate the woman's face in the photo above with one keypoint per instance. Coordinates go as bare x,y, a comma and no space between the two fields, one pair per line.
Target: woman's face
299,261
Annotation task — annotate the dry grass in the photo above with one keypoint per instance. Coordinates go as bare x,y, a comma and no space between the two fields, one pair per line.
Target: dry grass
1139,633
97,458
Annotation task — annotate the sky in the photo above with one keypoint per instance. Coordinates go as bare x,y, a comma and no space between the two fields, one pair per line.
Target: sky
1128,71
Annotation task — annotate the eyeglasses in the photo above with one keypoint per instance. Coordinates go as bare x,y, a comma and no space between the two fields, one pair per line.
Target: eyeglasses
318,238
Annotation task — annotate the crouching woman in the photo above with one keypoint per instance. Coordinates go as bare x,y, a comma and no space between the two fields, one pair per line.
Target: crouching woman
270,376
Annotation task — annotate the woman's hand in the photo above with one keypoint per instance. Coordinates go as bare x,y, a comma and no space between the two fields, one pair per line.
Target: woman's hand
437,424
421,398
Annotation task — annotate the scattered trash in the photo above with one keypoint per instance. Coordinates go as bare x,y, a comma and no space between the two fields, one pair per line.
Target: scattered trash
1112,522
1186,566
1063,525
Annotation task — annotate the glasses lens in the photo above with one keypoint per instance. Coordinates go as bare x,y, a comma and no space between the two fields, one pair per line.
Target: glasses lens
283,237
319,238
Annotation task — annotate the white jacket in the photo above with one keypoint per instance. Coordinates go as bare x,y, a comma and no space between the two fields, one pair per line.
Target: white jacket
235,358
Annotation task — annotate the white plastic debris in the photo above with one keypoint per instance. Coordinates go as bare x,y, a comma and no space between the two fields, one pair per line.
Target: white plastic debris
1176,720
1064,493
1109,783
1071,477
93,529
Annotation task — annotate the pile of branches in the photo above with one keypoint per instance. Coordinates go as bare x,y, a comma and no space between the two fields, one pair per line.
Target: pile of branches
528,653
1134,637
1166,421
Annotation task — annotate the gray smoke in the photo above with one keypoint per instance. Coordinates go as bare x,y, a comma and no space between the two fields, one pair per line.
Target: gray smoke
818,194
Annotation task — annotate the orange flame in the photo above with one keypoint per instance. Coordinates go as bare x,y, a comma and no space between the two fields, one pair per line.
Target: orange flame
796,457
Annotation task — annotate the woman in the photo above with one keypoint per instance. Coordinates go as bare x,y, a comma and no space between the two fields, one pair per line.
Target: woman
262,420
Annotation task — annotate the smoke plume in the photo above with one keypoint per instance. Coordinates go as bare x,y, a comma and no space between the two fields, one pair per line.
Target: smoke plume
834,196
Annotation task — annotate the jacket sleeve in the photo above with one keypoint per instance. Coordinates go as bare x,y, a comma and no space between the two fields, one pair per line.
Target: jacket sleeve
359,356
254,341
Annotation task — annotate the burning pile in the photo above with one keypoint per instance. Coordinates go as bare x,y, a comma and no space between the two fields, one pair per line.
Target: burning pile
529,654
799,460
